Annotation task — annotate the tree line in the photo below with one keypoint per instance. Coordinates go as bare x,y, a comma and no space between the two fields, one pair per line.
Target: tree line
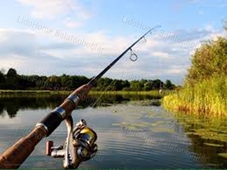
11,80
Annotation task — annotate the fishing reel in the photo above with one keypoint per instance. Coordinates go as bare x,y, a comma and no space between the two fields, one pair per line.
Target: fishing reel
79,145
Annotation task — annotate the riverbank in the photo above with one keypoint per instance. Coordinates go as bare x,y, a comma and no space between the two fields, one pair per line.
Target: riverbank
207,98
154,93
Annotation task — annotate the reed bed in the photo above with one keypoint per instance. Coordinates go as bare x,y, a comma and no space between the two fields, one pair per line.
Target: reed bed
154,93
206,98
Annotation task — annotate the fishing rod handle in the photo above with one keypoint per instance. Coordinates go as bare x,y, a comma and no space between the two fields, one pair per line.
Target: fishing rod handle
54,118
14,156
18,153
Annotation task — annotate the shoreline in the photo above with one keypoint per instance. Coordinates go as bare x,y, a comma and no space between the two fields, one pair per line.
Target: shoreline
51,92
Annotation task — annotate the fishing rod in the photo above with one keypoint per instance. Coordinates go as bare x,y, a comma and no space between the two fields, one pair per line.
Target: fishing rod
80,142
95,79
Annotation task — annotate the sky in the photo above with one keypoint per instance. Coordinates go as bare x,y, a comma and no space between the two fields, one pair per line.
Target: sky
78,37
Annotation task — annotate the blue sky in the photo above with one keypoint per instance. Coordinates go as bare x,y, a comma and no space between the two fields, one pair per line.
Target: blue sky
81,37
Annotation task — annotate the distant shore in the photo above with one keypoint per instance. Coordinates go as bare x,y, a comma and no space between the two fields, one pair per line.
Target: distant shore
51,92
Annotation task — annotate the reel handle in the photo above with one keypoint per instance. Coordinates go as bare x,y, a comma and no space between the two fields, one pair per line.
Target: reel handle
49,145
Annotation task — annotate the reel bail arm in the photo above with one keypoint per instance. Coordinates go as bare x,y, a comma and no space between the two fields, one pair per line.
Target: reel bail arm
79,144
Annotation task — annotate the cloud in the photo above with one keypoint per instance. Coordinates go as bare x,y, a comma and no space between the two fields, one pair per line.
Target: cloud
12,42
161,54
159,57
46,9
72,24
58,46
42,9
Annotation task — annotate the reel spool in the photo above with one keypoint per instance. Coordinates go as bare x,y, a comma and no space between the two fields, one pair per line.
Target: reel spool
79,145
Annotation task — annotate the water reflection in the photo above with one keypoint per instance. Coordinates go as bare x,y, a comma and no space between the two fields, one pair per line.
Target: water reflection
132,132
12,104
208,138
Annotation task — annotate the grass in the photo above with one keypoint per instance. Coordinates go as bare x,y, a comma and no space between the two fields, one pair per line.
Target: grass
27,92
50,92
207,98
153,92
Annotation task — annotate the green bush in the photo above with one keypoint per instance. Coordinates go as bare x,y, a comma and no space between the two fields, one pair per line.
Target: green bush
205,88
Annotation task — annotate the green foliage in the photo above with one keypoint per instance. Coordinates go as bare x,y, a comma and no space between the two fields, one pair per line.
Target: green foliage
12,79
148,85
205,88
136,85
2,79
66,82
11,73
208,97
209,60
169,85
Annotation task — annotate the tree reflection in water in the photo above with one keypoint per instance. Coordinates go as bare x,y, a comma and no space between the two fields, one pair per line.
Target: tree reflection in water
12,104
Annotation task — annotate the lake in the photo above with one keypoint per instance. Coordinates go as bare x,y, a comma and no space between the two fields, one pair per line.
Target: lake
133,132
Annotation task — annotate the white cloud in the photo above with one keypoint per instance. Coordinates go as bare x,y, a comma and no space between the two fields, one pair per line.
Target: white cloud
177,69
78,9
44,9
159,57
13,61
161,54
72,24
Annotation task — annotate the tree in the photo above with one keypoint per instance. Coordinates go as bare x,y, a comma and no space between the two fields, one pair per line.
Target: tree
208,61
11,73
148,85
157,84
66,82
117,85
125,84
169,85
142,83
2,79
104,83
12,81
135,85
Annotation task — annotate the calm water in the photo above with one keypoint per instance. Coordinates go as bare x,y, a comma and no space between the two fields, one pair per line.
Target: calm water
133,132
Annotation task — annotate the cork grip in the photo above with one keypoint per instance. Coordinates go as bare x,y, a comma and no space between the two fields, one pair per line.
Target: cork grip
17,154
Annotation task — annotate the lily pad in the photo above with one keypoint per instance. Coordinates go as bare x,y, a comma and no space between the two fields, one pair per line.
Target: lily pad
154,124
162,130
116,124
224,155
190,133
213,144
